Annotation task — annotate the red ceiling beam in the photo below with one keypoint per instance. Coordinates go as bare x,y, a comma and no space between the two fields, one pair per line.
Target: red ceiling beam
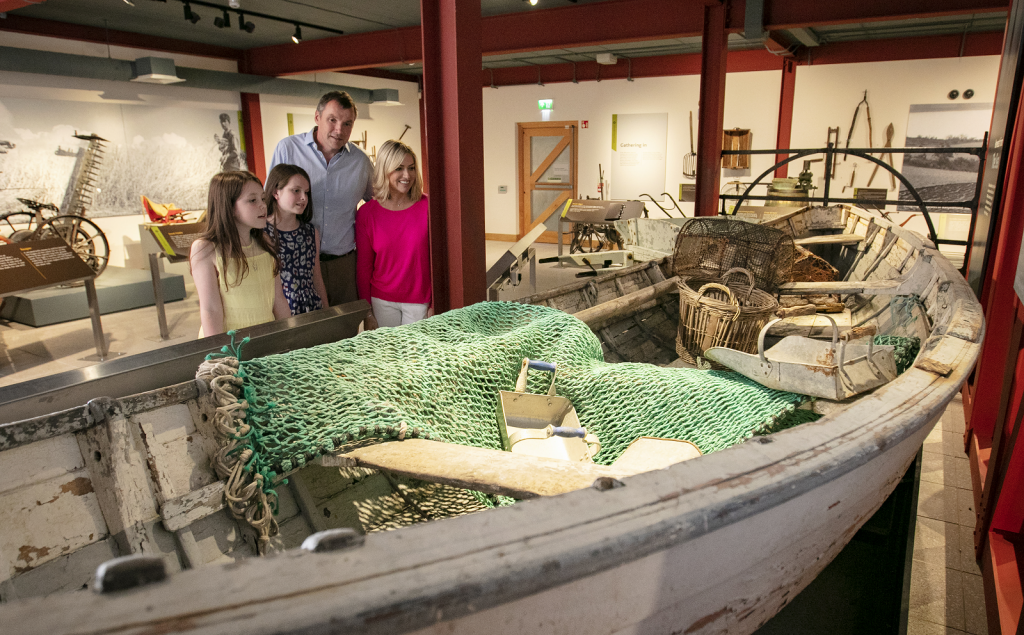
11,5
926,47
589,25
66,31
655,66
789,14
345,52
898,49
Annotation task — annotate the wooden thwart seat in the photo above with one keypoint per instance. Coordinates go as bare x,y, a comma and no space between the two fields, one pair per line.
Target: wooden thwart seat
831,239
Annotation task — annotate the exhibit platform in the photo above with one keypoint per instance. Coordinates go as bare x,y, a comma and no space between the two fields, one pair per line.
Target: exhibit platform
117,289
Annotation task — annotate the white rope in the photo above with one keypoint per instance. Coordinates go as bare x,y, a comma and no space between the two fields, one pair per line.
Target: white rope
243,490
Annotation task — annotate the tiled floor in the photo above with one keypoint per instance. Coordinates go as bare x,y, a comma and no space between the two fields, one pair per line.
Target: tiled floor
946,593
946,596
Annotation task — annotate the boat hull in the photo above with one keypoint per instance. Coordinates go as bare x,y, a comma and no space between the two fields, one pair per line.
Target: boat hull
713,545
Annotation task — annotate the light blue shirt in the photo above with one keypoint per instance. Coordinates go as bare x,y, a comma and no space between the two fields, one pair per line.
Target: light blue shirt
335,188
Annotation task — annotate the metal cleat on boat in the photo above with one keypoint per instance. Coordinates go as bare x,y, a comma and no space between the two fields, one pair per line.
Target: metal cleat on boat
333,540
128,572
835,370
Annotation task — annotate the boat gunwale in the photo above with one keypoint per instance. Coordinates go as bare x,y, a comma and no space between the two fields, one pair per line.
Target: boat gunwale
688,500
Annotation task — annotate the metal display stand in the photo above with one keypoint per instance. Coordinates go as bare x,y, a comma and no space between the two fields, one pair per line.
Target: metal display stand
507,271
598,217
56,265
158,292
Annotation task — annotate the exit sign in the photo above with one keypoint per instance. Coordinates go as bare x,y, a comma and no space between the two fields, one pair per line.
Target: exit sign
545,104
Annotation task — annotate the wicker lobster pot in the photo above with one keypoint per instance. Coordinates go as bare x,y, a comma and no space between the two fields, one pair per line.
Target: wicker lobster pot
714,312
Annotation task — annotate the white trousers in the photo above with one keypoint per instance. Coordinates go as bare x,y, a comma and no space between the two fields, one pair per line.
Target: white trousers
397,313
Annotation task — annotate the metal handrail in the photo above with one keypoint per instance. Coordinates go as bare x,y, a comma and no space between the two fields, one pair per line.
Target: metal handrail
865,153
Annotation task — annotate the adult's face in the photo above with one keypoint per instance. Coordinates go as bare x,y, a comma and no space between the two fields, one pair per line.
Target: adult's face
334,127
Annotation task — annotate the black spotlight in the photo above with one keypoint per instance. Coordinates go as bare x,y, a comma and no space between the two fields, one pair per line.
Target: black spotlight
297,36
222,22
248,27
191,17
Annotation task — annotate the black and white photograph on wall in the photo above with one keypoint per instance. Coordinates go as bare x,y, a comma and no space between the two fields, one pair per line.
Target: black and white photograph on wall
166,153
231,157
940,176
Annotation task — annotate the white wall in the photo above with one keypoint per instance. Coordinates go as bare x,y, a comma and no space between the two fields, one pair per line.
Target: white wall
752,102
381,123
825,96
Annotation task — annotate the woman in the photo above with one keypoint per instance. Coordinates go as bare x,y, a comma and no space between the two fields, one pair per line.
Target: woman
392,248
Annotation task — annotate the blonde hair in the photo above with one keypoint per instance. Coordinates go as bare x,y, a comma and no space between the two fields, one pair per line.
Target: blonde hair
389,157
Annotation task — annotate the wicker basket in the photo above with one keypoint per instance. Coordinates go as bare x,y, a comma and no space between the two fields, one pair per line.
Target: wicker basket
713,312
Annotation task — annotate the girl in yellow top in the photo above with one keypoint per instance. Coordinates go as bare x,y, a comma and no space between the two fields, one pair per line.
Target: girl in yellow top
234,266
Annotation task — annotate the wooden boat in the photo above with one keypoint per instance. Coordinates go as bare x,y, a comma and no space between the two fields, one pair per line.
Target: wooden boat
717,544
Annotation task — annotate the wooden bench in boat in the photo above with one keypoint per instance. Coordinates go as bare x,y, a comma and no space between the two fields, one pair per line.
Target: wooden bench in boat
914,281
491,471
831,239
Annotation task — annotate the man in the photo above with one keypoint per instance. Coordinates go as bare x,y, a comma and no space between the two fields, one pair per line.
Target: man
340,176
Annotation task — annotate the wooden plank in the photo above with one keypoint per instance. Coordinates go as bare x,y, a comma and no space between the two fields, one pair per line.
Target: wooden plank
42,521
179,459
38,428
40,461
605,312
185,510
831,239
844,287
490,471
120,475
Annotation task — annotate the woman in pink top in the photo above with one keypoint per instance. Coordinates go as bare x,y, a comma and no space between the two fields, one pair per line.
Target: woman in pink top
392,247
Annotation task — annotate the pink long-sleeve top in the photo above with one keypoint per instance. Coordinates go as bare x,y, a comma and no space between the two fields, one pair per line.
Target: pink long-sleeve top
393,253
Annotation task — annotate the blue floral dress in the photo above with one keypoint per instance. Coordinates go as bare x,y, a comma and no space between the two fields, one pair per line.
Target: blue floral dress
297,250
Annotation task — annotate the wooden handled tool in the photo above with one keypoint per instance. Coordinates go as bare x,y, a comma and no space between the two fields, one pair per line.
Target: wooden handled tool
858,332
889,132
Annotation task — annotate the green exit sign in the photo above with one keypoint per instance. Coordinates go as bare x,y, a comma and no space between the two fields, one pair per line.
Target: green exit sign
545,104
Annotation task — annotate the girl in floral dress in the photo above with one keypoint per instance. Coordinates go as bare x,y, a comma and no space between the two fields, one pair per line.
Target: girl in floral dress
298,243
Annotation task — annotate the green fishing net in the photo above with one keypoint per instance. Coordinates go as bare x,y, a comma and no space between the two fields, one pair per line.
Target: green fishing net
905,352
439,379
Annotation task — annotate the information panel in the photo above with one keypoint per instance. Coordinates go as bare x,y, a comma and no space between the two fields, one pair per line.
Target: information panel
35,264
176,238
639,144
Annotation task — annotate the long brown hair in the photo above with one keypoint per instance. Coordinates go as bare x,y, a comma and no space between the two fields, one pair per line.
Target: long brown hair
277,179
221,230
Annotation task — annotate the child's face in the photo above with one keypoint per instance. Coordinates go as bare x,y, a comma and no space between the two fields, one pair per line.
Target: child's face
294,196
250,211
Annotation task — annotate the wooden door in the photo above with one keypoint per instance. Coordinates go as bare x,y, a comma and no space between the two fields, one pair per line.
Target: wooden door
547,173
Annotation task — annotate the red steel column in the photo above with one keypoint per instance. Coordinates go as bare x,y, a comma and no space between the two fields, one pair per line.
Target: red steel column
454,150
712,107
252,123
785,114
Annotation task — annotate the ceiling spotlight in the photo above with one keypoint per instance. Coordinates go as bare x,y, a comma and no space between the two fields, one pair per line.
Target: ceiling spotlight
248,27
297,36
533,3
222,22
191,17
234,4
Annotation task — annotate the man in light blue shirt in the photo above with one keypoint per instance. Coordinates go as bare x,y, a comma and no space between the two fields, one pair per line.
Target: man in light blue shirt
340,176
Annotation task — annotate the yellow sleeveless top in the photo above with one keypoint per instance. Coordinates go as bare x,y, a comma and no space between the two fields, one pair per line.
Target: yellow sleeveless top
252,301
